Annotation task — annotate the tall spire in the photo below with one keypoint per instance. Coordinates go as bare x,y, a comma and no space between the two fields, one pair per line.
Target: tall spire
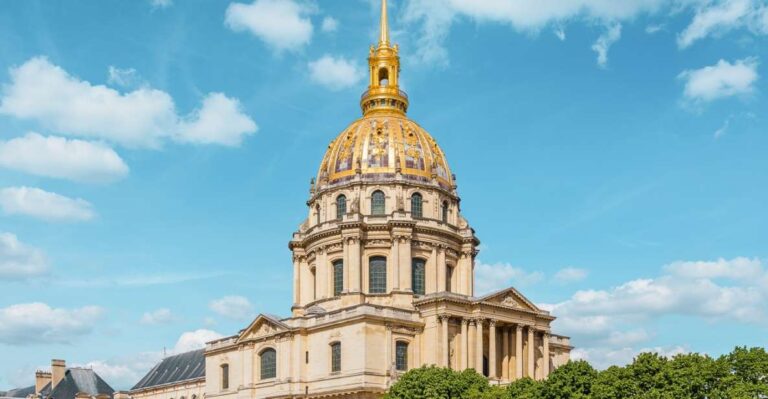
384,39
384,94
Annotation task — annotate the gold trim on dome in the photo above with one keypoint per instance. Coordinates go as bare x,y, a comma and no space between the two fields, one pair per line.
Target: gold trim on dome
385,145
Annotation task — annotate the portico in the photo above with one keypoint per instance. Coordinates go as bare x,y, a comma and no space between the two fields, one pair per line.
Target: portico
502,336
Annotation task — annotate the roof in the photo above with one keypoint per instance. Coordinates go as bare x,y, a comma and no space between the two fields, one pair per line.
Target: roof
79,380
18,392
173,369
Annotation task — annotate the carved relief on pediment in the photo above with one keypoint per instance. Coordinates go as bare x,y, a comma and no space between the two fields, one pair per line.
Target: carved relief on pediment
511,301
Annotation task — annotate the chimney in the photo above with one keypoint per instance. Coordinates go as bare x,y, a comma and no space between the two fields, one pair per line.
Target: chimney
58,367
42,378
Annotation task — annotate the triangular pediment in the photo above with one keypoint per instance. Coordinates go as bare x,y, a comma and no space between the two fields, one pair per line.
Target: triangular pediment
263,326
510,298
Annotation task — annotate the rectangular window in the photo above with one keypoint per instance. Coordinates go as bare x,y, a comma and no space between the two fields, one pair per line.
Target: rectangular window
401,356
377,271
417,276
336,357
448,278
224,376
338,277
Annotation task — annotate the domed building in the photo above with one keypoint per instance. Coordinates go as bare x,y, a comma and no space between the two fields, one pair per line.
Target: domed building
383,277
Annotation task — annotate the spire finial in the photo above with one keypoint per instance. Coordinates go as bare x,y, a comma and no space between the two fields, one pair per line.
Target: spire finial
384,39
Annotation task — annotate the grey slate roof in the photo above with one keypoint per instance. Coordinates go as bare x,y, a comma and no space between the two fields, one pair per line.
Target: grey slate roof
18,392
173,369
77,380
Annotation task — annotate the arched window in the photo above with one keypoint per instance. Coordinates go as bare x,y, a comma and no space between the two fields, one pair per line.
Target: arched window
416,209
224,376
417,275
317,214
383,77
341,206
338,277
444,211
313,270
448,277
336,357
268,364
377,275
401,356
378,203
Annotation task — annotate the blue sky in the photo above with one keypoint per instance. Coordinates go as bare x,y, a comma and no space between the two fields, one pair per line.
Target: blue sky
155,157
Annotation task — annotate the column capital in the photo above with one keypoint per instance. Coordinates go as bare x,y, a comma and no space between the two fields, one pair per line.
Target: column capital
491,323
519,327
444,317
465,320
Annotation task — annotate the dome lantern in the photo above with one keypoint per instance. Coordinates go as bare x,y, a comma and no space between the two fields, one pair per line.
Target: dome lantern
384,94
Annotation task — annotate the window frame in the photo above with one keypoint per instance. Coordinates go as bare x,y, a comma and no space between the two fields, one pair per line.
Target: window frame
224,374
338,276
444,212
270,366
401,355
378,203
341,206
335,357
377,276
417,206
416,265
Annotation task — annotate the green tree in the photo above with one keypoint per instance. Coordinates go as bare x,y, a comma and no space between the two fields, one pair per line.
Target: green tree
746,375
524,388
440,383
571,381
615,383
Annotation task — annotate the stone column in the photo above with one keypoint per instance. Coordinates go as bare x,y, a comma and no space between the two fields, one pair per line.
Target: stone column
505,354
296,280
355,271
321,273
545,351
405,265
440,269
531,354
345,264
444,342
394,259
519,352
464,345
479,346
492,349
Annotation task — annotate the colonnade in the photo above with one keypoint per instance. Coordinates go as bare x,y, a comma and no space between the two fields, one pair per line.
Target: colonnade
513,351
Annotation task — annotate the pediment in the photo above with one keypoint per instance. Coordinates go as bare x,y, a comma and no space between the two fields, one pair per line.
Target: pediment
263,326
510,298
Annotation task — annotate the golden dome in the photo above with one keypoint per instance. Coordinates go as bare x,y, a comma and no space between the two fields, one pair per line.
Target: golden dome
381,147
384,144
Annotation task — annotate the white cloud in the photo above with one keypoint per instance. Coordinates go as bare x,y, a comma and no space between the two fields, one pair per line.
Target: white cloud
62,158
159,316
570,275
335,73
282,24
437,16
560,33
122,77
44,205
233,307
330,24
145,117
614,321
718,17
720,132
489,278
38,323
193,340
652,29
604,43
19,261
161,3
723,79
220,121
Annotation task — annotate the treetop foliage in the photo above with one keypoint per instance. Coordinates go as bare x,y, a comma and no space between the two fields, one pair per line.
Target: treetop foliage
741,374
